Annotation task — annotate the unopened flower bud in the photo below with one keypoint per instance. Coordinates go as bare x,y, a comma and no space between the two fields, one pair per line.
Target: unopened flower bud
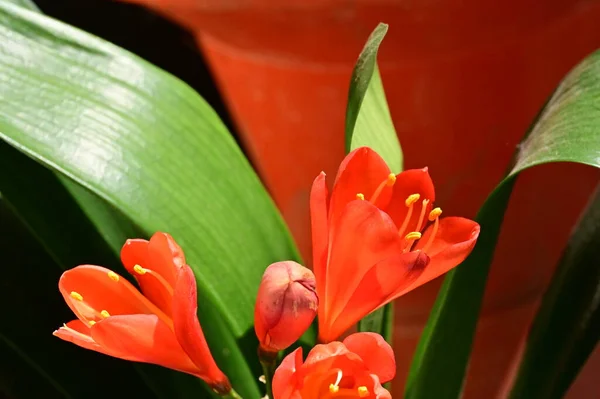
286,305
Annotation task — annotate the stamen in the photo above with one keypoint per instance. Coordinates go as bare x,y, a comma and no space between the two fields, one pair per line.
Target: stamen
422,215
113,276
413,235
388,182
335,387
139,270
363,391
77,296
434,214
91,322
360,196
409,202
104,314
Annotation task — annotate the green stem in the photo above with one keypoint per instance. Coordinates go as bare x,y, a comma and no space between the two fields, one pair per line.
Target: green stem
232,395
268,361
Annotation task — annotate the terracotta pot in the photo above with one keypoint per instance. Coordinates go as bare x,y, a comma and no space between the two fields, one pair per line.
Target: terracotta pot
464,80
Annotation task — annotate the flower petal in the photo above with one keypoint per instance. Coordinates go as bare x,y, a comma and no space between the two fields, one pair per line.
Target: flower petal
142,338
363,237
188,330
454,241
412,181
88,290
362,171
79,334
162,258
284,380
319,227
376,354
377,288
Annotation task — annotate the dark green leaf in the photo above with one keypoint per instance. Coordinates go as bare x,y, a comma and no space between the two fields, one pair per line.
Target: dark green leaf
568,130
150,147
567,326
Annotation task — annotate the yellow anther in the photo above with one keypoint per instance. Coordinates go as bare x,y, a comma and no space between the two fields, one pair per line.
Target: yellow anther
360,196
434,214
413,235
91,322
104,314
335,387
76,295
363,391
113,276
411,199
139,270
391,179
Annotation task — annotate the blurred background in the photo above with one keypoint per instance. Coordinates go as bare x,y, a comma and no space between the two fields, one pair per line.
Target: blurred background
464,80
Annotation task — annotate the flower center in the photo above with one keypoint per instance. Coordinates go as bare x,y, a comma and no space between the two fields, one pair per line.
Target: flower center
142,271
91,315
415,234
335,390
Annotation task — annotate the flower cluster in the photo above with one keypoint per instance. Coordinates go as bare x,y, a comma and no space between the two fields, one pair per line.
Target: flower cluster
376,237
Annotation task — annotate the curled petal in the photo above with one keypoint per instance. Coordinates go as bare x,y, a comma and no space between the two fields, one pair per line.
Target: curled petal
188,330
160,259
88,290
361,171
284,380
363,237
79,334
375,353
319,226
412,181
454,241
142,338
377,288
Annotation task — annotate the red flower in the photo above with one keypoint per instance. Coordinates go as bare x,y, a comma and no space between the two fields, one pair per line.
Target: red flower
159,327
354,368
378,237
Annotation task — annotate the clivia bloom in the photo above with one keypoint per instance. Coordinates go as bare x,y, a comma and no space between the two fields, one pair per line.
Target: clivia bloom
378,237
286,305
354,368
159,327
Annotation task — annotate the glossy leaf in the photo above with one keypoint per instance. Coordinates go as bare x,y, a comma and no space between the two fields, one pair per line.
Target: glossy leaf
567,130
368,120
368,123
153,149
567,326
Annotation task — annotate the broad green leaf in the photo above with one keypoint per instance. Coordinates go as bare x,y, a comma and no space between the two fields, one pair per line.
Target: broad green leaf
368,123
30,5
152,148
368,120
567,130
567,326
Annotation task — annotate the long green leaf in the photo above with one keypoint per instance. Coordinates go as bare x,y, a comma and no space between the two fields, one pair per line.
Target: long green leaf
568,130
152,148
567,326
368,123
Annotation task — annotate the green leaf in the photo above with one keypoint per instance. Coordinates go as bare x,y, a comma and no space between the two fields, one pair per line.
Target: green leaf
567,130
567,326
368,123
30,5
149,146
368,120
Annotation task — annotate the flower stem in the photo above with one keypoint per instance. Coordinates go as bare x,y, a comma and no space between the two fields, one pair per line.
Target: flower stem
268,361
232,395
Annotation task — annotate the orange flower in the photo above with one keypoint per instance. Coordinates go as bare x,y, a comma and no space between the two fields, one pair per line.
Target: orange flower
378,237
354,368
159,327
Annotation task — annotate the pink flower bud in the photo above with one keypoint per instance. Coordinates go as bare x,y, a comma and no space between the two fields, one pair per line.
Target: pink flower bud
286,305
